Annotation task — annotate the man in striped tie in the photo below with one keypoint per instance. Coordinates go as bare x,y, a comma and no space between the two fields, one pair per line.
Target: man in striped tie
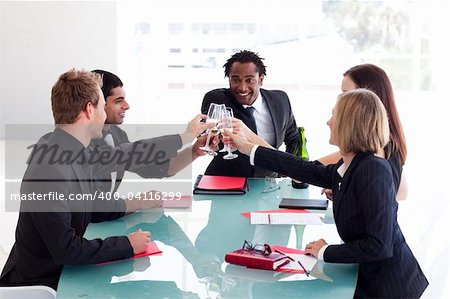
266,112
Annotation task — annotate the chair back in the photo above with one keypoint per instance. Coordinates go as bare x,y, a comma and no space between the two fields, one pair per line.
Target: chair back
35,292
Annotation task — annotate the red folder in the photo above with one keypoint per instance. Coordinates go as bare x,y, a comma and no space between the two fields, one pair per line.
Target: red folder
152,249
218,182
220,185
256,260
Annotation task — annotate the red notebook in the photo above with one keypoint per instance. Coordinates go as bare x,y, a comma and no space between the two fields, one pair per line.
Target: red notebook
256,260
220,185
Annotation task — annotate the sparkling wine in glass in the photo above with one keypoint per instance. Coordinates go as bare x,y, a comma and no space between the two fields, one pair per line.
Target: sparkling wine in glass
214,113
227,126
225,147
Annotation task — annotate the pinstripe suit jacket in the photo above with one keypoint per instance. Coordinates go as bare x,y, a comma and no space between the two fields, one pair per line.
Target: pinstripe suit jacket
365,213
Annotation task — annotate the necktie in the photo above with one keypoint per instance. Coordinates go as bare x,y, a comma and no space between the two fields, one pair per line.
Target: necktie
110,141
252,121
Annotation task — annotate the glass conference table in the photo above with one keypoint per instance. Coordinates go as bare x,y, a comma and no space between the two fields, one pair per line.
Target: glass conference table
194,243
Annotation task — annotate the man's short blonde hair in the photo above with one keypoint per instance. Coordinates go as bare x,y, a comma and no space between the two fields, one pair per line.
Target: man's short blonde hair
71,93
360,122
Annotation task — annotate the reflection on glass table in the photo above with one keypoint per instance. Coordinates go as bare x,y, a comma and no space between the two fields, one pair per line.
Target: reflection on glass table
194,244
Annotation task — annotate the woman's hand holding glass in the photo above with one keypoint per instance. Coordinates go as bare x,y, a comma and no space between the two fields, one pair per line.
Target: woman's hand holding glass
231,128
238,140
241,129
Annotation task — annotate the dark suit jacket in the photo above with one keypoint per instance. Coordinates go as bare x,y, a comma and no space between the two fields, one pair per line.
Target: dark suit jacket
396,167
49,234
283,121
365,212
154,170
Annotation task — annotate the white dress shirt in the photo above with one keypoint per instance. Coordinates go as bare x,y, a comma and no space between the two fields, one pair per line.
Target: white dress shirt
263,120
110,141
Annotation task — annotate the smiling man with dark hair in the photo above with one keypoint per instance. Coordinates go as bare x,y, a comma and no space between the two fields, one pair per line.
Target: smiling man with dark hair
116,106
266,112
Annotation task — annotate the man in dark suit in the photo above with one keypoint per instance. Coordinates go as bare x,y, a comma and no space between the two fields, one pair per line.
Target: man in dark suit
266,112
58,192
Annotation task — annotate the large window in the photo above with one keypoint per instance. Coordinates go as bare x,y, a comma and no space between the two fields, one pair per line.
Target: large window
174,56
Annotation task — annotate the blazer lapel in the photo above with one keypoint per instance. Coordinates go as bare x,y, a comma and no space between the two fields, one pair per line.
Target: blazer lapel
343,183
274,113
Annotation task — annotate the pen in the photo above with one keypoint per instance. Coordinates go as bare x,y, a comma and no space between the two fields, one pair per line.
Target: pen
289,257
304,269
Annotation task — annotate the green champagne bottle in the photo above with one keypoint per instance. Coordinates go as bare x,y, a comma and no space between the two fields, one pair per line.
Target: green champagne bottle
300,151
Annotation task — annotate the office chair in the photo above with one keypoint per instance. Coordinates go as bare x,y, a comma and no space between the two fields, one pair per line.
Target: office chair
35,292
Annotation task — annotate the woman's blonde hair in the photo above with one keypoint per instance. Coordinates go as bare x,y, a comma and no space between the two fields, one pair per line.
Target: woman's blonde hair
360,122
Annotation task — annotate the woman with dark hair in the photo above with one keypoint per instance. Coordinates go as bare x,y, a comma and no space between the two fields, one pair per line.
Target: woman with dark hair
372,77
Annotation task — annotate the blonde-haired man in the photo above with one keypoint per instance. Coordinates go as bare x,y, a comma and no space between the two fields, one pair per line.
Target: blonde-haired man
49,233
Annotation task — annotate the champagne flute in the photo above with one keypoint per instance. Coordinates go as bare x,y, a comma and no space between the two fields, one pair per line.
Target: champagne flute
227,126
225,147
214,111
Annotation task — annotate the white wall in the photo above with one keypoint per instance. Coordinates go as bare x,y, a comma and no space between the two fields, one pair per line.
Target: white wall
41,40
38,42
